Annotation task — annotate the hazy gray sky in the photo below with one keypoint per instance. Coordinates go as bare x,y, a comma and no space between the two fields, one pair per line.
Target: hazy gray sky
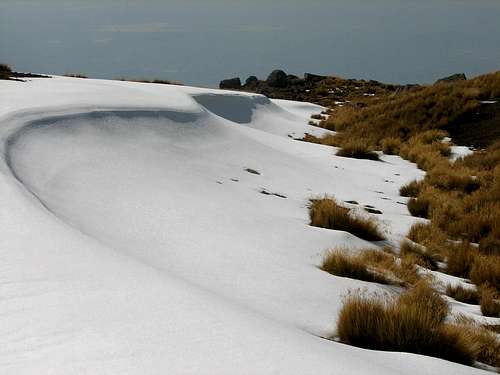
203,41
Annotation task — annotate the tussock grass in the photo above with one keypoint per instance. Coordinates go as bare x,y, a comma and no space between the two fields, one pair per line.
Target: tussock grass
486,270
490,301
328,139
419,207
327,213
419,255
420,233
460,259
453,179
463,294
411,323
340,262
484,343
370,265
391,146
357,149
489,246
411,189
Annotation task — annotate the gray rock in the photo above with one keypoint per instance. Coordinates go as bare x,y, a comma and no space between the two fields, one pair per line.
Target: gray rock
232,83
453,78
309,77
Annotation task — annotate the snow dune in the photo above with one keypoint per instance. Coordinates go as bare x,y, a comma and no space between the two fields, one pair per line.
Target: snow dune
134,241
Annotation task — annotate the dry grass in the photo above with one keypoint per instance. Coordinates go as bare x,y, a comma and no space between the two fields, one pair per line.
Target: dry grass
327,213
391,146
342,263
427,235
405,115
453,179
484,343
486,270
357,149
411,323
460,259
419,254
328,139
465,295
371,265
411,189
419,207
490,301
489,245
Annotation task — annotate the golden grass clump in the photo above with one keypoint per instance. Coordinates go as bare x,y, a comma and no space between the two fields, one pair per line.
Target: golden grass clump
371,265
426,156
341,263
483,342
327,213
490,301
486,270
411,189
449,178
391,146
327,139
357,149
411,323
419,254
460,259
419,207
463,294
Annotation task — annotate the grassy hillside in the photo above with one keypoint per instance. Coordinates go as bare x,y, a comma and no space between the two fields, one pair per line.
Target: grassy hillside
442,106
461,199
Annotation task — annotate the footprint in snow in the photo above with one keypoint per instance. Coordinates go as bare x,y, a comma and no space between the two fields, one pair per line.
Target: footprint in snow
265,192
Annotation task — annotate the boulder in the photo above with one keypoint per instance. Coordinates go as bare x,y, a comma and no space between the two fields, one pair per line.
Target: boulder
309,77
231,83
277,78
252,80
453,78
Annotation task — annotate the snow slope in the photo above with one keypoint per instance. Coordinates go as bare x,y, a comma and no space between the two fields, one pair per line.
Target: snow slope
134,241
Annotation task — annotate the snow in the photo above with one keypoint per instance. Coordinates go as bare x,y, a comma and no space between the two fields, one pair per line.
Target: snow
133,241
458,152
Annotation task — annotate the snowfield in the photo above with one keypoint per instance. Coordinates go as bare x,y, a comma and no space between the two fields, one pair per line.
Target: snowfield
133,240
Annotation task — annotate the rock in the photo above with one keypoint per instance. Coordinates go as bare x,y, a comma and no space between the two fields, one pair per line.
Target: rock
453,78
277,78
232,83
251,81
309,77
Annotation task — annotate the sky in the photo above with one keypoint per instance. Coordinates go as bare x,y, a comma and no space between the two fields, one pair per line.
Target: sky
200,42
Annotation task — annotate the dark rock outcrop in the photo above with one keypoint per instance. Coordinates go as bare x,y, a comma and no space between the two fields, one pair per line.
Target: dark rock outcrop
453,78
278,78
252,80
230,84
309,77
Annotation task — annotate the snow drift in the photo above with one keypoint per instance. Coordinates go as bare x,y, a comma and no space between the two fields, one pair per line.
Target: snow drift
134,240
